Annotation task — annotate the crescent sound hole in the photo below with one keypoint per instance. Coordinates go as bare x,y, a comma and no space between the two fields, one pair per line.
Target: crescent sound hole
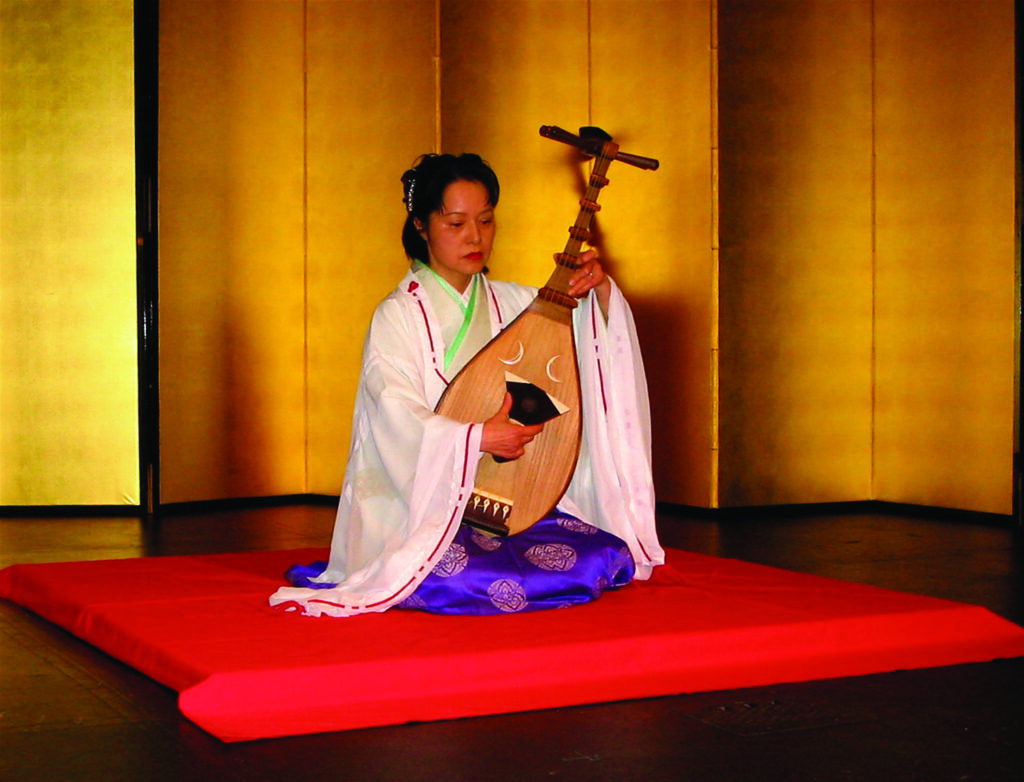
548,370
518,357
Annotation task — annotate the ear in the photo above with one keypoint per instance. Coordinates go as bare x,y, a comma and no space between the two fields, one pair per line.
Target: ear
419,227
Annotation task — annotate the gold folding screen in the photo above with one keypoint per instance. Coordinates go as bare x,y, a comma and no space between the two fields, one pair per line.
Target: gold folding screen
867,260
284,129
945,244
854,340
371,112
68,378
232,231
795,275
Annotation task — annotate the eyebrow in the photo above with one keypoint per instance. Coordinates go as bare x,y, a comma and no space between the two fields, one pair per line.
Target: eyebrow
444,213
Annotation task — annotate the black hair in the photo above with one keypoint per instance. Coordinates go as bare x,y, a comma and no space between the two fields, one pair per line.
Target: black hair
424,186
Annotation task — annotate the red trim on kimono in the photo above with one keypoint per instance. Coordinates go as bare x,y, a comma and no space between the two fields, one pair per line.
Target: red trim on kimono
497,306
597,355
426,325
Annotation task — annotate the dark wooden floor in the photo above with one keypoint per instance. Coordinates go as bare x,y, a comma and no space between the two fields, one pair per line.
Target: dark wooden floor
69,712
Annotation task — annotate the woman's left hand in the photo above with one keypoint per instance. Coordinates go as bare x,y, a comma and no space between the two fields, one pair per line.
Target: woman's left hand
590,276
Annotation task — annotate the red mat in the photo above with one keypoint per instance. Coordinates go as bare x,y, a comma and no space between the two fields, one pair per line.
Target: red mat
202,626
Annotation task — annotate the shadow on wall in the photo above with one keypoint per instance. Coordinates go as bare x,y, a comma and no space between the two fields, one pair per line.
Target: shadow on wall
679,436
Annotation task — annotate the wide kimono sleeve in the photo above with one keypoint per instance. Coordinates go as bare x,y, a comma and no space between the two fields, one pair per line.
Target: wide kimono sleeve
613,486
408,478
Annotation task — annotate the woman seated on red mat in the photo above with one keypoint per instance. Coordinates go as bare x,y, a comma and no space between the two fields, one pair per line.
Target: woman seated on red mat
397,539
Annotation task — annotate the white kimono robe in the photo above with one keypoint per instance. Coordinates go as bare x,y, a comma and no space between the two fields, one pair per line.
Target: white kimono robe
410,472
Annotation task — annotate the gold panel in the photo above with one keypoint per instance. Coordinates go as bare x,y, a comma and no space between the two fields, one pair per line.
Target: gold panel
795,277
945,254
68,380
651,88
232,262
507,69
366,126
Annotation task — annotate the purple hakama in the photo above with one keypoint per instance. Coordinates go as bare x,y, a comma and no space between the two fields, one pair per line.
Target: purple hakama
560,561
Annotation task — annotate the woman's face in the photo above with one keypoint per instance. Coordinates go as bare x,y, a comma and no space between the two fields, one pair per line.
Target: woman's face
460,234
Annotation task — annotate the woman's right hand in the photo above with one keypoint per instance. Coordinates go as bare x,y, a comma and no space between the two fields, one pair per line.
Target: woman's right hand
504,437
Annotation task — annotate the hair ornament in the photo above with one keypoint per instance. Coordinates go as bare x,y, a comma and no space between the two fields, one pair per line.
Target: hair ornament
409,181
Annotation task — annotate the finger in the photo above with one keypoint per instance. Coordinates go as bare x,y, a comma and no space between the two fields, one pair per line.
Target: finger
514,451
506,405
590,272
581,278
580,289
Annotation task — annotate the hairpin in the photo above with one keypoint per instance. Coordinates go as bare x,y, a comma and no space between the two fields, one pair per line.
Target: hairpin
409,180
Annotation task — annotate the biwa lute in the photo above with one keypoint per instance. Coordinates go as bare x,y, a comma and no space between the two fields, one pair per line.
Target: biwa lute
534,359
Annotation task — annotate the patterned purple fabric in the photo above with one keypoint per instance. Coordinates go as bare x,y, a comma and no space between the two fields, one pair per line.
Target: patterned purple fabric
302,575
560,561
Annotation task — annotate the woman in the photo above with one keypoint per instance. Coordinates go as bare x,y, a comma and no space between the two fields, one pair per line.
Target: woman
397,539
